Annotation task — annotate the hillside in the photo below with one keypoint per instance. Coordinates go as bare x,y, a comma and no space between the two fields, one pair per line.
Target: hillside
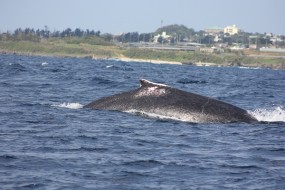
175,30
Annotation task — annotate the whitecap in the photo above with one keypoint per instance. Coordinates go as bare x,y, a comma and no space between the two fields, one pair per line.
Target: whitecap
69,105
275,114
44,63
243,67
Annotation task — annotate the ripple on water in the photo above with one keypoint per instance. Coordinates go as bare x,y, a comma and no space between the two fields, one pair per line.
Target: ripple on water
48,141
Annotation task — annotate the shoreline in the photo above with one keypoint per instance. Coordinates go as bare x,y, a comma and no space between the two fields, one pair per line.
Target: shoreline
198,64
275,66
127,59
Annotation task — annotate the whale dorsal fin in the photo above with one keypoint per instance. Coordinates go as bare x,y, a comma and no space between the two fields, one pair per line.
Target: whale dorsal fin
147,83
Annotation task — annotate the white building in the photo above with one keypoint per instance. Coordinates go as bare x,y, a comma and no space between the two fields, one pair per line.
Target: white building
232,30
164,36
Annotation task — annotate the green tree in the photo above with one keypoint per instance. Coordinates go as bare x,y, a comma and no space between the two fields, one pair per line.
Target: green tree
176,30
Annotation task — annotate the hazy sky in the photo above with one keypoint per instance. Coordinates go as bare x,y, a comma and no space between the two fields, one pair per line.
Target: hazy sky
117,16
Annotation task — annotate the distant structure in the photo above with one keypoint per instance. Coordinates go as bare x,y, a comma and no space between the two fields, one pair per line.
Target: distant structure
232,30
214,30
164,37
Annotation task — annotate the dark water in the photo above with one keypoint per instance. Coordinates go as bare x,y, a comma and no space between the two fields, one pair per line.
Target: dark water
48,141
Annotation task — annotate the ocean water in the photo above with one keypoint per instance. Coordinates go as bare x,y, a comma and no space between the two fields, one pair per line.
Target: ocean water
48,141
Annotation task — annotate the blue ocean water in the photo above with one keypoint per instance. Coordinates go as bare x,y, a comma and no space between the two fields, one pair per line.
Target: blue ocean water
48,141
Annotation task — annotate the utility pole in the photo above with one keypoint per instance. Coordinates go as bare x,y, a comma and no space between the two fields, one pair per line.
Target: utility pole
256,41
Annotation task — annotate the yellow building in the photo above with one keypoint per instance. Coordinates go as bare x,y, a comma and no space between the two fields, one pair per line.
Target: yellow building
232,30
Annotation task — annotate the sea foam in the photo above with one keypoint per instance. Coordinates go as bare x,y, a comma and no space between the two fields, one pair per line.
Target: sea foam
44,63
275,114
69,105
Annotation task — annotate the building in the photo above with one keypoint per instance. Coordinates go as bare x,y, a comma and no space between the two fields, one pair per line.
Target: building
214,30
232,30
164,37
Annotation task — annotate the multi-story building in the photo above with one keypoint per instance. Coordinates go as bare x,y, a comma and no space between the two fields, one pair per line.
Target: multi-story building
232,30
214,30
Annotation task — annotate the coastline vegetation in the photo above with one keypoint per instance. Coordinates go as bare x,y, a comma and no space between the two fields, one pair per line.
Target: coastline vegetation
92,44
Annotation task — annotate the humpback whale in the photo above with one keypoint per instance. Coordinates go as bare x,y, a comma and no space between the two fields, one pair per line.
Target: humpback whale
170,103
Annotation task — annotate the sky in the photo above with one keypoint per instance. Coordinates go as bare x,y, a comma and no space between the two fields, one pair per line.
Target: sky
118,16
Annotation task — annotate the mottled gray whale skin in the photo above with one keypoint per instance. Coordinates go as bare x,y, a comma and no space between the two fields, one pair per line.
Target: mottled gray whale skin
162,101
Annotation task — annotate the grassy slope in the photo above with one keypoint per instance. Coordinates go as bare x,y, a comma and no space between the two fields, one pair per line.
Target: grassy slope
57,48
194,57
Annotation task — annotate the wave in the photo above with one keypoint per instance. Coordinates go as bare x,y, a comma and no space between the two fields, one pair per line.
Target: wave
275,114
101,80
69,105
189,81
243,67
15,68
44,64
109,66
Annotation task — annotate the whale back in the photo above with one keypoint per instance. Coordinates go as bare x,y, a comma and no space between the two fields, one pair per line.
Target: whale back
167,102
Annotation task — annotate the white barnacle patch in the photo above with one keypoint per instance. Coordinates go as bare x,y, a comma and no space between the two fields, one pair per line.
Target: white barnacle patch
151,91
